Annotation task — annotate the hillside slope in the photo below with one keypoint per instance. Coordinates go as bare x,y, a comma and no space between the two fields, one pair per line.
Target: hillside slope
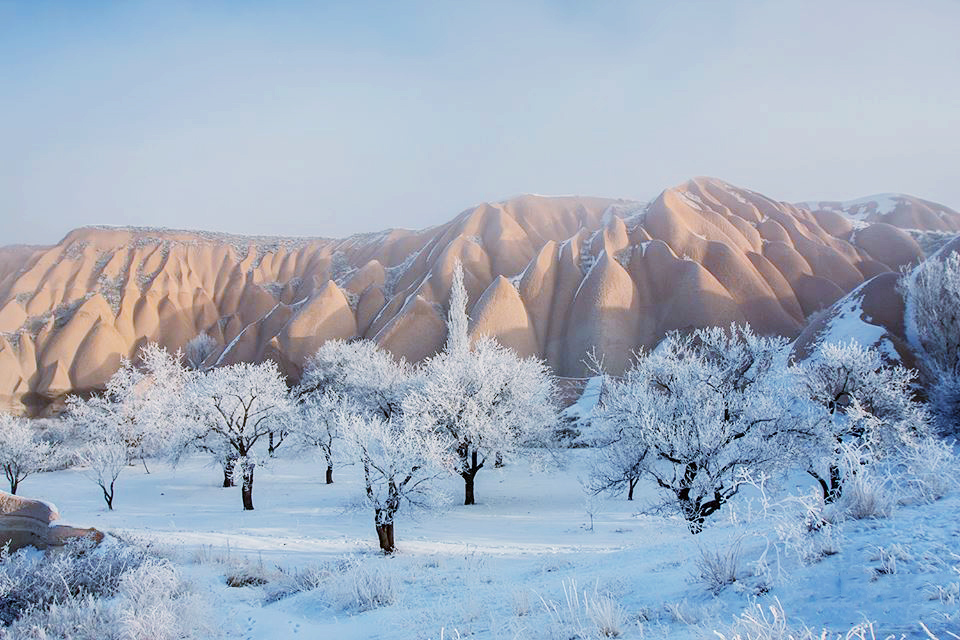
550,276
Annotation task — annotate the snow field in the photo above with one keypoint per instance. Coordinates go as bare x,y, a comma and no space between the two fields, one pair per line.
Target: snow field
522,563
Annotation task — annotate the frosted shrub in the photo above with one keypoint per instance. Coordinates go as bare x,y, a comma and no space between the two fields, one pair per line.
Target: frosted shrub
931,471
607,615
112,591
360,588
769,622
40,579
864,492
583,614
719,568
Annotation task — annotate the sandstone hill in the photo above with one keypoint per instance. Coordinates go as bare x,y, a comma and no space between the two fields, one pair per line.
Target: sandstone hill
552,276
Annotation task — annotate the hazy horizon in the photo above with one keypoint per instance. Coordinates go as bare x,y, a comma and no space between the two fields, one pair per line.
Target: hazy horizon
296,118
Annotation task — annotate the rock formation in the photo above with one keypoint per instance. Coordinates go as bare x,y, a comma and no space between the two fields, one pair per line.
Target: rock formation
551,276
29,523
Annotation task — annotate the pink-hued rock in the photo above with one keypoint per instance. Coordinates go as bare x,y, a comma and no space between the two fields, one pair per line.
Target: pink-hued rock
29,523
553,277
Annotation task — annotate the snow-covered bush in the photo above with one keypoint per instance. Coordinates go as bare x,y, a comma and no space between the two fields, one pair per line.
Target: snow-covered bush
769,622
401,461
931,471
198,350
932,296
235,409
699,411
865,493
104,461
719,567
863,404
483,399
360,588
112,591
22,453
583,614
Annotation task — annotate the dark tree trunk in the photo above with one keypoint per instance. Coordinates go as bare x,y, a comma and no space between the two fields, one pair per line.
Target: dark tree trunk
695,525
329,474
12,478
498,461
108,495
247,488
468,497
385,537
631,484
228,466
471,465
270,447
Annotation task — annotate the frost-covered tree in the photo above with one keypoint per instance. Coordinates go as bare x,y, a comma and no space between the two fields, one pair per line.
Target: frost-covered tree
863,403
362,372
198,350
484,400
696,413
401,462
356,377
932,296
105,459
317,424
618,462
234,409
140,406
21,452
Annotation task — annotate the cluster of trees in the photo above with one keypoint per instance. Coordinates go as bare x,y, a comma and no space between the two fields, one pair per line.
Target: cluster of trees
404,425
696,416
707,410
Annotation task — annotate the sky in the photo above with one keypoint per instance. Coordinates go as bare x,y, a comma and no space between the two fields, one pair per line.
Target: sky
326,119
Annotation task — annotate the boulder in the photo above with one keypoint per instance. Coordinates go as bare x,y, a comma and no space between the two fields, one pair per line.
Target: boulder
29,523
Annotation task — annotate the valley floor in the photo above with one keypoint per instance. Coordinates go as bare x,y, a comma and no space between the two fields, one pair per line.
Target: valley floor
500,569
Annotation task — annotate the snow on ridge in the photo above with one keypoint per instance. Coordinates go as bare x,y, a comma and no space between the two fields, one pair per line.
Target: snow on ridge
849,324
860,208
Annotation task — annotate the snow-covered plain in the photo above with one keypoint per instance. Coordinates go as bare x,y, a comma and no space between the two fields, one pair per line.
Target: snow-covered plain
494,570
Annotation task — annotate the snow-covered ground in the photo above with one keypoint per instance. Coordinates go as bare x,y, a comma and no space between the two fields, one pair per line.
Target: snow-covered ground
494,569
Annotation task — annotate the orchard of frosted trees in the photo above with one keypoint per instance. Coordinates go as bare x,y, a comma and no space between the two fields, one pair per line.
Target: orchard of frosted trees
700,417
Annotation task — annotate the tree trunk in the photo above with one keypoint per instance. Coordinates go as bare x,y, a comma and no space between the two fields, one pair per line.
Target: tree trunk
469,474
270,448
695,525
498,461
143,461
228,465
108,495
11,478
329,474
631,484
385,536
247,489
836,485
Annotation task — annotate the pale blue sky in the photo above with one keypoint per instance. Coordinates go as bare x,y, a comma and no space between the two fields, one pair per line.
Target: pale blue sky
308,118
